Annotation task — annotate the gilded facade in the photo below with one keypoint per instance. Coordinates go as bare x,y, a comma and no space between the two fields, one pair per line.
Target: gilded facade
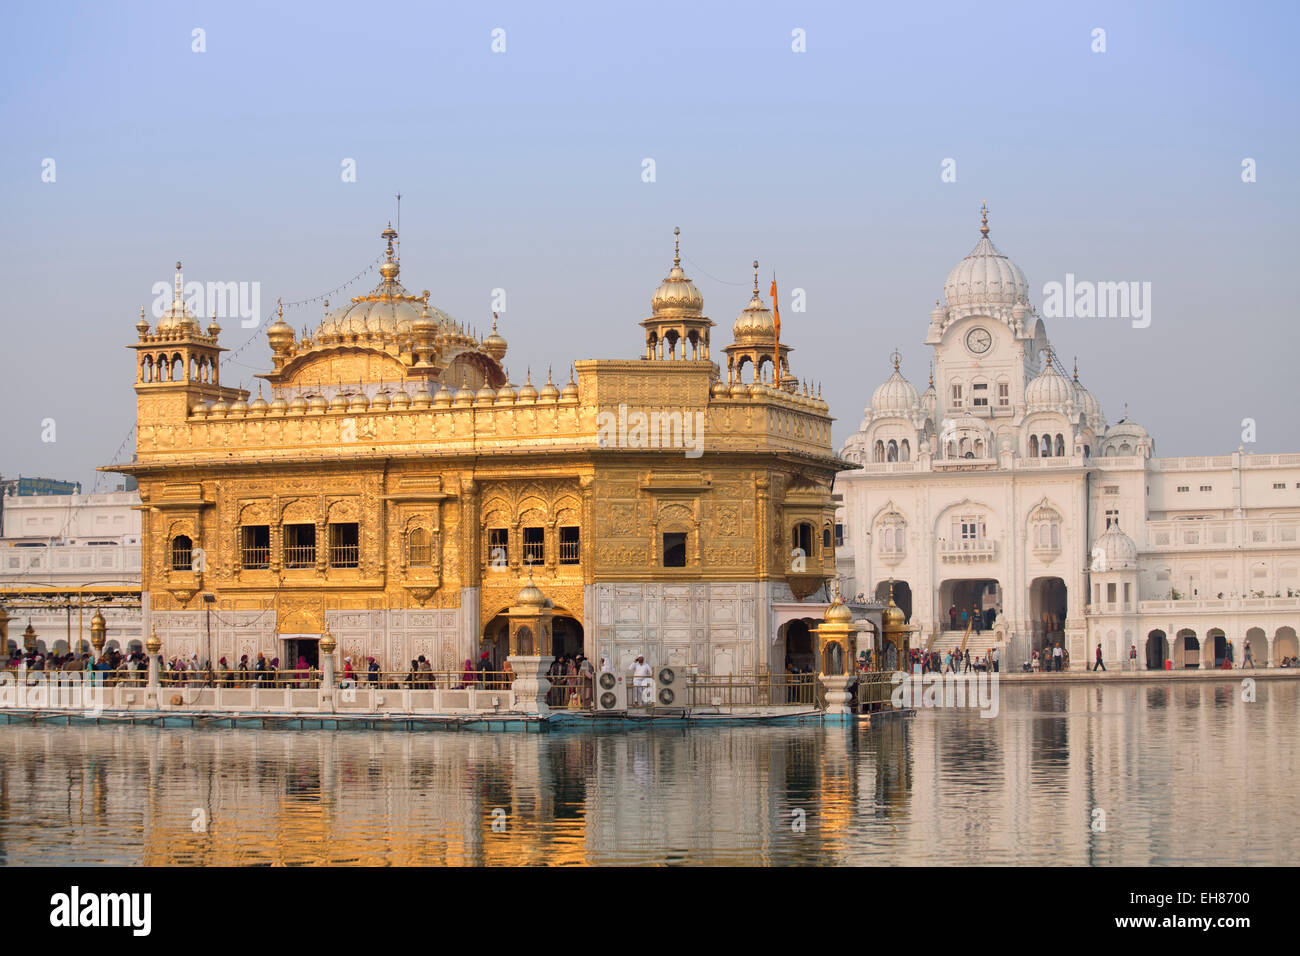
399,490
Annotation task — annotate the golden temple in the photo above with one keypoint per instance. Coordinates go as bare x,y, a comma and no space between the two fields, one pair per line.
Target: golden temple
398,490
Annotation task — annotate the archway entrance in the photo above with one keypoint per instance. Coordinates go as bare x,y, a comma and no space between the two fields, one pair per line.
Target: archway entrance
1157,650
799,650
1048,601
902,596
1216,643
566,637
1187,649
306,646
980,598
1258,647
496,642
1284,644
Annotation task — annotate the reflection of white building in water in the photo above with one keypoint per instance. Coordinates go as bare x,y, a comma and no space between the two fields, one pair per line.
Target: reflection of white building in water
55,545
1001,488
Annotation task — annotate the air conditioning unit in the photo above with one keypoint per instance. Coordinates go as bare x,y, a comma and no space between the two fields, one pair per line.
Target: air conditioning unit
670,687
611,693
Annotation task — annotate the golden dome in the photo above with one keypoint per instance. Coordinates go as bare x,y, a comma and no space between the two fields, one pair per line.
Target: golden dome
178,316
526,392
531,595
442,397
338,403
495,345
279,333
219,408
317,404
401,398
358,402
756,323
422,398
838,613
549,392
381,401
387,313
298,406
570,390
278,405
259,406
677,293
892,617
506,394
463,395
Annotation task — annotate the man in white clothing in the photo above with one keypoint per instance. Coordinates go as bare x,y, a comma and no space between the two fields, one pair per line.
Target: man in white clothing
641,680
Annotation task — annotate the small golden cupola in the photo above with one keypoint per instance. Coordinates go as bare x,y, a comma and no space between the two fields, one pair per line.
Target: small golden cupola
495,344
755,344
677,328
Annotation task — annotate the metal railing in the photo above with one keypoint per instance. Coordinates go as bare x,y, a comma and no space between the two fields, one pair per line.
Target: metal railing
750,690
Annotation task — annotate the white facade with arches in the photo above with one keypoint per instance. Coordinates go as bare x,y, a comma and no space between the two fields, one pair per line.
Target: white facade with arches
1002,492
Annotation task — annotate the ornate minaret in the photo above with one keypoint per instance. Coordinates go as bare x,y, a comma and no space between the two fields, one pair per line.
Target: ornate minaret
177,364
677,328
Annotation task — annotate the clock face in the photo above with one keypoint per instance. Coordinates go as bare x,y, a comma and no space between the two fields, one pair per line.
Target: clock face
978,341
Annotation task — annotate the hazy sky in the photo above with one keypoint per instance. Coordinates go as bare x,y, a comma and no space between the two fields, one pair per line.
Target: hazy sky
522,170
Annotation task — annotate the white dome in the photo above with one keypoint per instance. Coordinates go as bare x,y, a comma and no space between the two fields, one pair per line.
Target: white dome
1092,413
1049,391
985,279
896,396
1119,550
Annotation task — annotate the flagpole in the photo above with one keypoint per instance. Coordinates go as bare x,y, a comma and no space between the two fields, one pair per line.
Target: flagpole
776,312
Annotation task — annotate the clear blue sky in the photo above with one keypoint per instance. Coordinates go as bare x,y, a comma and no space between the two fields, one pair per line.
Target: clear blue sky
522,170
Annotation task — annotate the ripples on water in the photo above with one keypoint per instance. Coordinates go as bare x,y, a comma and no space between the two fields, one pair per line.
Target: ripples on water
1186,773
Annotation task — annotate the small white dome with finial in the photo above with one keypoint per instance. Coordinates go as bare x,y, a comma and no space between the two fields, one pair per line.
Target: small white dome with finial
896,395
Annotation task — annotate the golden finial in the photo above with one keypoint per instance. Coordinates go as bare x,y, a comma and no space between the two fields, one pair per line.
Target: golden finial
548,376
677,249
279,309
932,373
528,375
756,278
494,323
327,306
1076,368
984,219
895,357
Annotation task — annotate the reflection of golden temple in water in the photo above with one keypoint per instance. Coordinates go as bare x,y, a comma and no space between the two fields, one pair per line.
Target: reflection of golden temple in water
942,788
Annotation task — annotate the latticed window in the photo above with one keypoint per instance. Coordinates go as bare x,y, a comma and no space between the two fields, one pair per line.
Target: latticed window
534,545
498,547
570,546
299,545
255,546
345,544
419,550
182,552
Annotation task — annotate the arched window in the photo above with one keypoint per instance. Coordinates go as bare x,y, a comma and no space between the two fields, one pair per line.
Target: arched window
1047,446
803,538
880,451
419,554
891,453
182,552
905,451
1060,446
1033,446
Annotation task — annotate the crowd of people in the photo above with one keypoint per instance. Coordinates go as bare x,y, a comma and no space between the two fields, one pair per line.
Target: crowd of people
978,620
572,682
955,661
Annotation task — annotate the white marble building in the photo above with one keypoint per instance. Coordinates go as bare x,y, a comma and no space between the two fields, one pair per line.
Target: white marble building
55,544
1001,489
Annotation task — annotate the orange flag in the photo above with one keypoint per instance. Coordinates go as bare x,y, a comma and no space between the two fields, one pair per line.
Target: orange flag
776,315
